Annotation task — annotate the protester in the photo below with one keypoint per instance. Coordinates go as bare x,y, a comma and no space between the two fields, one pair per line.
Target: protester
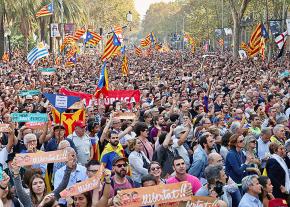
267,190
252,187
277,168
204,109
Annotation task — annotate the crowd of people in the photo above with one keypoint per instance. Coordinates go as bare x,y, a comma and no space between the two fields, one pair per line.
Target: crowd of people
219,123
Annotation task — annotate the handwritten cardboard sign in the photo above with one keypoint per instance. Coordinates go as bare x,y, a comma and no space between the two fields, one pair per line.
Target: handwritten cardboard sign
84,186
154,195
125,115
199,201
29,117
4,127
40,157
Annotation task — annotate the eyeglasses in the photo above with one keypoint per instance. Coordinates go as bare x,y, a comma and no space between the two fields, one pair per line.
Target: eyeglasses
155,168
122,165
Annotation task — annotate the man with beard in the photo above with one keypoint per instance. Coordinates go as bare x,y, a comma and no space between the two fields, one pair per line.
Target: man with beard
206,145
120,181
112,149
159,125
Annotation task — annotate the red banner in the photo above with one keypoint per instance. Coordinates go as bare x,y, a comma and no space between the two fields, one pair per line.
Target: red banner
128,96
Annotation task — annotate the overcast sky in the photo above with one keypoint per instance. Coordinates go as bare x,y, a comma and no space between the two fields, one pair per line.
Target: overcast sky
143,5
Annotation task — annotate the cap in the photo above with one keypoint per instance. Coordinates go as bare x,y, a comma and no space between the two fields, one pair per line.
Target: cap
80,124
118,158
10,157
178,131
28,97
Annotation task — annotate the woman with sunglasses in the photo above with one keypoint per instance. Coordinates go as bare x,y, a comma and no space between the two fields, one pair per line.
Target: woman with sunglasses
250,149
236,162
138,161
155,170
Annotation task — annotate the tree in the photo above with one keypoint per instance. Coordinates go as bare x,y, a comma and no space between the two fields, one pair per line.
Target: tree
238,10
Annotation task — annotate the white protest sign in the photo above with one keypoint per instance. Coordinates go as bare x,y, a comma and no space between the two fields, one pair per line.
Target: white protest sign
61,102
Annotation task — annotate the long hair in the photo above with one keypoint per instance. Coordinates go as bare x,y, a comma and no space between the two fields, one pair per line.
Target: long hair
33,195
88,196
263,182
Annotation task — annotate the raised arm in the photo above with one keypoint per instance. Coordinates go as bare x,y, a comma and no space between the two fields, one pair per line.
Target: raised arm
168,136
106,194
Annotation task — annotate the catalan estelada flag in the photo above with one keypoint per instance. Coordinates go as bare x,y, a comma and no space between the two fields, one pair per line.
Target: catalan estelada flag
72,61
103,84
5,57
68,119
125,66
138,51
80,32
92,38
45,11
111,46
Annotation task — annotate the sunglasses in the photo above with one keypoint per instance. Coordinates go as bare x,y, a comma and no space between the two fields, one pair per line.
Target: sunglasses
155,168
241,141
253,141
122,165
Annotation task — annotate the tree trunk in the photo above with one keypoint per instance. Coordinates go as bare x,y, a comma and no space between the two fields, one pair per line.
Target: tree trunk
2,38
236,36
26,44
42,29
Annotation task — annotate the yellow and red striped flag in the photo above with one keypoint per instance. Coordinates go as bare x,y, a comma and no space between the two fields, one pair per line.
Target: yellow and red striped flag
125,66
45,11
111,46
146,41
262,47
5,57
118,30
79,33
68,119
255,41
138,51
93,38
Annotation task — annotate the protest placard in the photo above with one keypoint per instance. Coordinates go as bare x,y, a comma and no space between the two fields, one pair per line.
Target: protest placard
4,127
47,71
125,115
155,195
199,201
84,186
36,125
29,117
29,92
40,157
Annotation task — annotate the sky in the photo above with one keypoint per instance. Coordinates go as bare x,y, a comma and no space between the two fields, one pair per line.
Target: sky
143,5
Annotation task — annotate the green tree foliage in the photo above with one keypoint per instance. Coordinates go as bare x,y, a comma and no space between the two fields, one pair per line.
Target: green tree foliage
19,16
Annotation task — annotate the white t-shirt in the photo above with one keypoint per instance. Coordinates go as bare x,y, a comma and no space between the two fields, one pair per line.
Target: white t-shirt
83,146
3,157
181,151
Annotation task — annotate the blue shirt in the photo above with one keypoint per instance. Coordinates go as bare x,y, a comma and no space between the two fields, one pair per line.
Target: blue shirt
250,201
52,144
108,159
80,174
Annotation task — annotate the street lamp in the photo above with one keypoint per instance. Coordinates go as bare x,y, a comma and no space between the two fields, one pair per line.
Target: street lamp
129,17
8,34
